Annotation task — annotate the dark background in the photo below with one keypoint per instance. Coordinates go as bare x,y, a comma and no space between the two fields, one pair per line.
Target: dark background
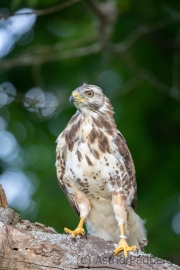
131,50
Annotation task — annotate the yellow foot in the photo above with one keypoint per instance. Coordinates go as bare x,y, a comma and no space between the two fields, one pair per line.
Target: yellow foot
123,246
77,231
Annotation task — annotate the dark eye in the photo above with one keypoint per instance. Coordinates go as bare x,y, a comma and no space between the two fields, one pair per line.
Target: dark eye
89,93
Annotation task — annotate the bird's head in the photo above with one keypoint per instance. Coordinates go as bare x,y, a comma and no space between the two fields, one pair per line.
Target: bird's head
90,98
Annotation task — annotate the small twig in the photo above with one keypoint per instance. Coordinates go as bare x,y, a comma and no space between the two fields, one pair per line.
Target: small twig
42,12
35,104
175,15
142,30
126,87
59,46
175,89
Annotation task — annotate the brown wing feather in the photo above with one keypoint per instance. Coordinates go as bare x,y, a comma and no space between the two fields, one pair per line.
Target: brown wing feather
61,165
128,161
70,199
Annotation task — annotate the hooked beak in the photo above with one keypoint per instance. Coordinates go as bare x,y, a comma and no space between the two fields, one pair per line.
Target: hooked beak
71,99
75,97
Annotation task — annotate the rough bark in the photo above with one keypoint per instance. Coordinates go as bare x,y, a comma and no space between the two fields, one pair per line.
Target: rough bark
24,245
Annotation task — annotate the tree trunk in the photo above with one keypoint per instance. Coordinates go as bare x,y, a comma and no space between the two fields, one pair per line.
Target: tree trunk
24,245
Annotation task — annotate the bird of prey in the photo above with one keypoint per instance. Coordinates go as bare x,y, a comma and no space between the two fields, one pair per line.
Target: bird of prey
96,171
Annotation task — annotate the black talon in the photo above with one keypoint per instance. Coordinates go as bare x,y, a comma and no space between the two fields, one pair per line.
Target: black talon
74,239
125,260
85,235
111,256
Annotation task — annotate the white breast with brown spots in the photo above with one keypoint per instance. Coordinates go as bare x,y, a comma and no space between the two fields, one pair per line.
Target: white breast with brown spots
90,170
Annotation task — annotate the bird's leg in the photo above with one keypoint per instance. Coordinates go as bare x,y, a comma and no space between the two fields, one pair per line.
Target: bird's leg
78,231
123,245
84,207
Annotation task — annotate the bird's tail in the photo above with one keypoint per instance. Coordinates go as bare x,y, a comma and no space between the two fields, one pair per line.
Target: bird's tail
137,232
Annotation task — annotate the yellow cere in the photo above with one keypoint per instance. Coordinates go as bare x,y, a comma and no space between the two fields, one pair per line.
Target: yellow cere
75,94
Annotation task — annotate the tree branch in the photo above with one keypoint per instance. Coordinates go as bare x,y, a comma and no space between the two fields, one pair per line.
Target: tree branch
145,74
106,13
30,57
31,60
25,245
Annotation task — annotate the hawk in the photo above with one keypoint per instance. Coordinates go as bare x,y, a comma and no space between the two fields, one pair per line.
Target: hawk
96,171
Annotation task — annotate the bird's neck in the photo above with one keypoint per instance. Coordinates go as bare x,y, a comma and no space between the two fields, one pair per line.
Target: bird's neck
106,111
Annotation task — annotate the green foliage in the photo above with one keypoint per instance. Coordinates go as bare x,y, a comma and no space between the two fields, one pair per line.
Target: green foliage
142,81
